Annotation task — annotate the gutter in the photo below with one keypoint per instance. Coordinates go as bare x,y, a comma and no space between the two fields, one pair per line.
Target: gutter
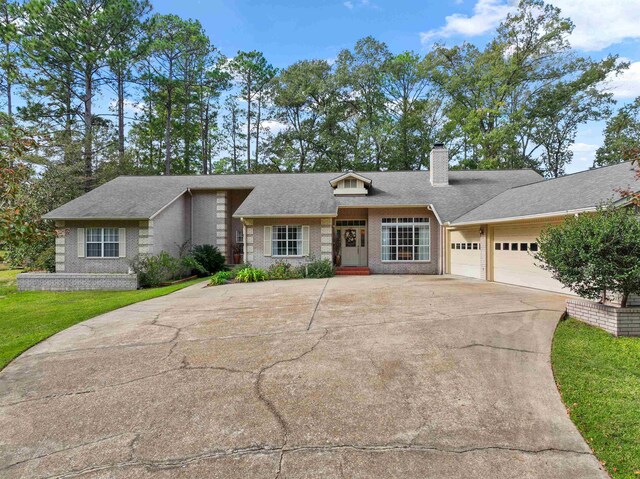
526,217
190,216
169,204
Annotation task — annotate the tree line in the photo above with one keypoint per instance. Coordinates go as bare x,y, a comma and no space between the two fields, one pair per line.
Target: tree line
107,87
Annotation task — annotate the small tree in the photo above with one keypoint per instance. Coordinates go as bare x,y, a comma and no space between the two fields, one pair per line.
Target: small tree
595,254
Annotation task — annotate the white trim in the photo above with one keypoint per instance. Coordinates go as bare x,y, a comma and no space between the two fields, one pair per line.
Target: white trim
102,242
286,240
122,238
349,174
413,224
267,241
306,233
526,217
324,215
81,242
167,205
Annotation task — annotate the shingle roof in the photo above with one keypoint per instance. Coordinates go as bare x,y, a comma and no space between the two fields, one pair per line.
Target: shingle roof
140,197
575,192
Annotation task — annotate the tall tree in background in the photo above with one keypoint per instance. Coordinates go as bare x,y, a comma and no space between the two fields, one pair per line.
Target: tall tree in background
122,57
496,93
212,80
299,93
234,135
76,36
416,109
361,73
10,17
253,74
172,44
621,136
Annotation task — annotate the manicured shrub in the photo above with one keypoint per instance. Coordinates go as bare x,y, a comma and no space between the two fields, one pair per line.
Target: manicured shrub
209,257
192,266
153,270
320,268
221,277
251,275
284,270
595,254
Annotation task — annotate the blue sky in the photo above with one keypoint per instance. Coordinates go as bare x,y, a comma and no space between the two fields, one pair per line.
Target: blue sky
287,31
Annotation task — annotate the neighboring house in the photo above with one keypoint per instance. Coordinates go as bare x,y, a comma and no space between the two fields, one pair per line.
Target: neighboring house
480,223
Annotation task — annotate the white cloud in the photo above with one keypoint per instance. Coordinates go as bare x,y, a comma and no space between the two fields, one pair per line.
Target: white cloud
627,84
487,14
601,24
129,106
359,4
598,24
583,148
583,154
274,126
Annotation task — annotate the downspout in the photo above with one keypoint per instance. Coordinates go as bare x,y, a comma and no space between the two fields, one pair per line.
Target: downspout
190,217
442,250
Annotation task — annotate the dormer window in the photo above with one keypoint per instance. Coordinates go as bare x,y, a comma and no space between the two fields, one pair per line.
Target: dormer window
351,184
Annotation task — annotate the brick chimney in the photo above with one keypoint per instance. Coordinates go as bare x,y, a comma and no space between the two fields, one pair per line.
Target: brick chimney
439,165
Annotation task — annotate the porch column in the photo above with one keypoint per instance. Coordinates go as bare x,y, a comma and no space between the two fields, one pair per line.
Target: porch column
326,238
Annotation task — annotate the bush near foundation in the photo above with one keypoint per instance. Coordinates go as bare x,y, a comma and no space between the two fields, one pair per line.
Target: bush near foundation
595,255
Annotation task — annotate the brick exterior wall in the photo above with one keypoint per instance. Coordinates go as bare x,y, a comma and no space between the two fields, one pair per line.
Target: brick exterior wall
255,249
76,282
439,166
615,320
204,217
73,264
172,226
374,232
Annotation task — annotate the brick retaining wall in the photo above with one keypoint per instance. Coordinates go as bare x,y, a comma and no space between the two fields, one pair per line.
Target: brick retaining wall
615,320
76,281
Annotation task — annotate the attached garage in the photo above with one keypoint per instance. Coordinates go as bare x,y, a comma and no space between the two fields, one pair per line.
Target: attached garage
465,253
512,259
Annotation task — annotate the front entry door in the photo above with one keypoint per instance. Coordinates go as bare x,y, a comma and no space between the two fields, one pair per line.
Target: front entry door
354,245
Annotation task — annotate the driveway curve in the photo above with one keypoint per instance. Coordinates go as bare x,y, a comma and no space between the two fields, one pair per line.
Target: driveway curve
355,377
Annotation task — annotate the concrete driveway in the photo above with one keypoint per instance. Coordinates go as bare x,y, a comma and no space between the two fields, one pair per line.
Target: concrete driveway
355,377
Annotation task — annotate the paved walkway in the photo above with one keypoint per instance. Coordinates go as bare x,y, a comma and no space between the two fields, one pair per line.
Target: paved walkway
355,377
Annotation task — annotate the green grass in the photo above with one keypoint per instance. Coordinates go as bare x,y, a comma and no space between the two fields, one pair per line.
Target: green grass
26,318
599,379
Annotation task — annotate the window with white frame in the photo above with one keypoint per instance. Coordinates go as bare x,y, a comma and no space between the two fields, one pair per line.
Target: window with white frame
102,242
350,183
286,240
405,239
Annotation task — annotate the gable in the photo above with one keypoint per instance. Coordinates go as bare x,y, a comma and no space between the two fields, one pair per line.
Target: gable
350,183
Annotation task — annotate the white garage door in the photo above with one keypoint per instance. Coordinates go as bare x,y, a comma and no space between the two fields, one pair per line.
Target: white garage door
513,261
465,253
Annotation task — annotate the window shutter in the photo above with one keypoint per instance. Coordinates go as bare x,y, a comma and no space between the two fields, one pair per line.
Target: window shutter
122,237
305,241
80,242
267,241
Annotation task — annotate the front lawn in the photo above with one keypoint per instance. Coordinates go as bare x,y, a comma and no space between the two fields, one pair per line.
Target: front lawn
599,380
26,318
